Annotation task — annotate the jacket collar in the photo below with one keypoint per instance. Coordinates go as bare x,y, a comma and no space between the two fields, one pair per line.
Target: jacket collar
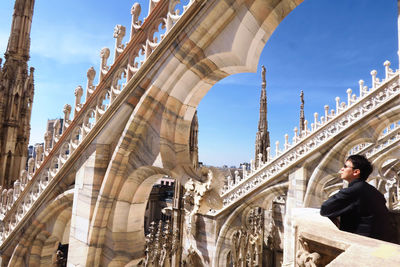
358,180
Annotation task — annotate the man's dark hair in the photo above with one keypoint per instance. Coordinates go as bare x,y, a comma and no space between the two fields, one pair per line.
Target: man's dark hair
361,163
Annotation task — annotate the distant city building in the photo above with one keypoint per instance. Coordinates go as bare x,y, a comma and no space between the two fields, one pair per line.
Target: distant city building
161,197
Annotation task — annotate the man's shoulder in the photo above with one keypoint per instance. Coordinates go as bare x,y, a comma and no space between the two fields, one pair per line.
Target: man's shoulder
358,183
363,186
355,186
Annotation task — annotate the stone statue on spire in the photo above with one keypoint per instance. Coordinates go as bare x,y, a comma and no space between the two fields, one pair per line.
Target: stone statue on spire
262,136
16,96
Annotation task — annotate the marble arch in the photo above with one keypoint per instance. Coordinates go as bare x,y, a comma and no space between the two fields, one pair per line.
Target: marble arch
126,222
174,89
50,223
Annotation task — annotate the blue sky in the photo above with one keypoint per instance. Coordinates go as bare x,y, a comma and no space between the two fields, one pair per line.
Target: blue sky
323,47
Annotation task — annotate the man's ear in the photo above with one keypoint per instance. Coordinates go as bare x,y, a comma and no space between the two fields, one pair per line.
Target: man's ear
356,172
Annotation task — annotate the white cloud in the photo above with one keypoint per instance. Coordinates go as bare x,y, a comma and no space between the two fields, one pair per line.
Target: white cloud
66,45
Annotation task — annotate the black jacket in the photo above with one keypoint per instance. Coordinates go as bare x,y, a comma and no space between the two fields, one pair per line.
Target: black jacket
362,210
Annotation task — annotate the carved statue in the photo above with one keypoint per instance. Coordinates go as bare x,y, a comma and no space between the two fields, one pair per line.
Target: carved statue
392,197
305,258
263,70
194,192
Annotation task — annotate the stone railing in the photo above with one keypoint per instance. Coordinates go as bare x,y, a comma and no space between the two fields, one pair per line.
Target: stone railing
389,136
61,146
321,131
318,242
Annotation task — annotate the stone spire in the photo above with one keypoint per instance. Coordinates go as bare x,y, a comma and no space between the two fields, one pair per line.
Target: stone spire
16,95
193,141
301,124
262,137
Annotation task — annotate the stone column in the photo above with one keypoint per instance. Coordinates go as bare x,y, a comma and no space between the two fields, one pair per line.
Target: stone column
295,196
88,179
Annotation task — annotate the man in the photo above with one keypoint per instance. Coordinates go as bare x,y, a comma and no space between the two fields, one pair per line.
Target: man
360,207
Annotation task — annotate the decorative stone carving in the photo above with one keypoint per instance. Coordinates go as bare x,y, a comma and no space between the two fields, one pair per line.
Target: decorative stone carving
78,96
305,258
136,23
161,244
16,95
191,259
56,132
17,190
39,155
262,136
10,198
4,201
247,243
194,193
119,33
31,166
193,142
67,113
47,141
104,54
392,190
91,73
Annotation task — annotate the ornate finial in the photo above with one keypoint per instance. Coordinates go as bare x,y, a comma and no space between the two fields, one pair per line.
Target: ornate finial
136,23
78,91
91,73
104,53
119,33
67,108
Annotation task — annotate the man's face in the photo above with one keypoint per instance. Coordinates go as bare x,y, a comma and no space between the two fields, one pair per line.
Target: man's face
348,173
